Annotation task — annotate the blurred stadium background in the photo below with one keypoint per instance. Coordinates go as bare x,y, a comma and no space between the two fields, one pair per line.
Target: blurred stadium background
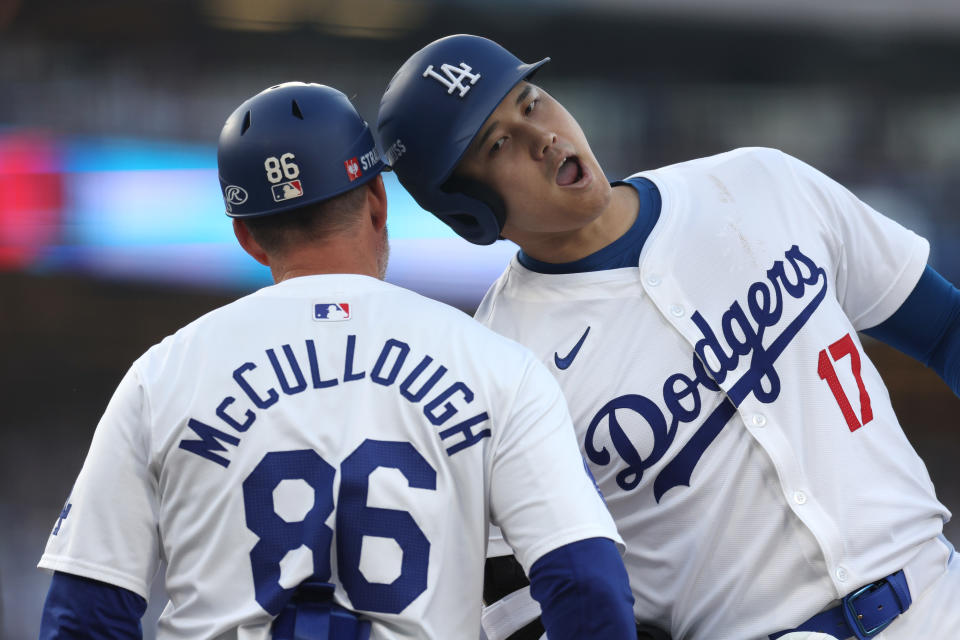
112,233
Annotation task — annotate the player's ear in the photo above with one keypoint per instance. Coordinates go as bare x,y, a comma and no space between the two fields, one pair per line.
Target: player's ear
377,202
249,243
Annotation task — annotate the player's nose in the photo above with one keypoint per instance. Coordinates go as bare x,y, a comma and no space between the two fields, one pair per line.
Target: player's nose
541,142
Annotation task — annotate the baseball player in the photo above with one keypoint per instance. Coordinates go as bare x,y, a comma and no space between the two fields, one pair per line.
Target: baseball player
323,457
702,320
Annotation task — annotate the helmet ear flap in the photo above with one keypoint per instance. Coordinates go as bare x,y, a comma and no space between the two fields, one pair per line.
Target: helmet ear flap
478,191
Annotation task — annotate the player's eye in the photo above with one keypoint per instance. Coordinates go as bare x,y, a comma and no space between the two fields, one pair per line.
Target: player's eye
533,104
496,146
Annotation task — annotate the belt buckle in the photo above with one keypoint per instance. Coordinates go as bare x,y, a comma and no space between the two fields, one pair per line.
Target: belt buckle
854,618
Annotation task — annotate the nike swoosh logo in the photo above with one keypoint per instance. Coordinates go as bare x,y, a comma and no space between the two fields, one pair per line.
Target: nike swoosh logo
567,360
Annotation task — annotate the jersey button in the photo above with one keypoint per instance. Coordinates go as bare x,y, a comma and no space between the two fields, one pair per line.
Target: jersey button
800,497
676,311
842,574
653,280
758,420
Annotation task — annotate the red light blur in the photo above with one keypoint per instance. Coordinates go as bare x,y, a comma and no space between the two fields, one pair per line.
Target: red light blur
31,197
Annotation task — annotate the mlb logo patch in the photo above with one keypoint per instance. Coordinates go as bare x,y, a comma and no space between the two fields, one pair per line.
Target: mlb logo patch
331,311
353,169
287,190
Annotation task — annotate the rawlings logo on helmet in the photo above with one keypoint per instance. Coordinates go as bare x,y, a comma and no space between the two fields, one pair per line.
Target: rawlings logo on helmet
234,195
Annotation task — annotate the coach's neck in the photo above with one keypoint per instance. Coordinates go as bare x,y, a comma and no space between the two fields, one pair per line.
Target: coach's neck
359,248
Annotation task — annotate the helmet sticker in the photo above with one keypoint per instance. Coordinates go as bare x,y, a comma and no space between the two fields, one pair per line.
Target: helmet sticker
454,77
285,167
287,190
393,153
353,168
369,159
234,195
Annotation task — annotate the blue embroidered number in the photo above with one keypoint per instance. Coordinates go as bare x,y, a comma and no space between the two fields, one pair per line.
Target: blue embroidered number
279,536
355,520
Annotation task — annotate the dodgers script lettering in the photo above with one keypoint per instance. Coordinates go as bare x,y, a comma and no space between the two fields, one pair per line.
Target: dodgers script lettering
743,329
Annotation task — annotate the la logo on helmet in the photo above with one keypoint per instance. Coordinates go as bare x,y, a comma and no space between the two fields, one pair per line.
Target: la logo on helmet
453,77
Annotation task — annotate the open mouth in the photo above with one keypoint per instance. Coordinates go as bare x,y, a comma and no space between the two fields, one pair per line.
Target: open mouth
570,171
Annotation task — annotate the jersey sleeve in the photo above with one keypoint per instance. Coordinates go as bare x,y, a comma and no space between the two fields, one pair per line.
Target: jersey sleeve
108,529
541,494
83,608
878,260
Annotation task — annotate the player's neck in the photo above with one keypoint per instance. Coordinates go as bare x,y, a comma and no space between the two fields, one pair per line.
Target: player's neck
616,219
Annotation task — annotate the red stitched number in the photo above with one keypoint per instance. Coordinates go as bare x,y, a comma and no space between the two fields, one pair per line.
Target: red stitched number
845,347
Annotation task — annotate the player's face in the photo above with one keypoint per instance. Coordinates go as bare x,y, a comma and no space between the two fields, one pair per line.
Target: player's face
533,153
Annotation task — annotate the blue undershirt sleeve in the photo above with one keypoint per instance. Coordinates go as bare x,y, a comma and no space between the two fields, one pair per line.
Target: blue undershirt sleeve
927,327
584,592
79,608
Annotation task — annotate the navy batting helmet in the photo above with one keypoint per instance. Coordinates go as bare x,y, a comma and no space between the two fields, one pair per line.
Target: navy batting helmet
291,145
429,114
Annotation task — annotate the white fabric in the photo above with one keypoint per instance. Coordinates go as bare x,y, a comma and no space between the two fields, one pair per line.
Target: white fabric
509,614
785,508
142,497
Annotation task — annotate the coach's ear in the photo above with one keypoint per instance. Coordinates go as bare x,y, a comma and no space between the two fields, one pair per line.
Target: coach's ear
249,244
377,202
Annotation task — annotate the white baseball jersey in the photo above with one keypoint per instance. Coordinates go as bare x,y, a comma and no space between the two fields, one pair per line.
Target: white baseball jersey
334,426
744,442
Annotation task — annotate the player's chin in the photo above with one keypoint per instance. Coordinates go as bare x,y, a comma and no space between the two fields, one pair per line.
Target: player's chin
589,195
